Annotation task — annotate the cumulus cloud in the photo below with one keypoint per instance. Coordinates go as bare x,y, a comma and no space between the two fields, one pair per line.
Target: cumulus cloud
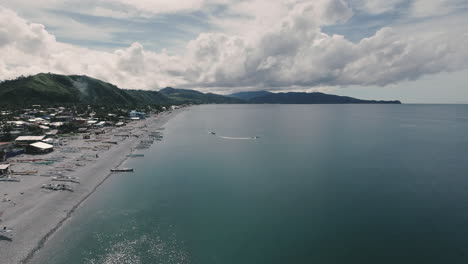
288,51
378,6
427,8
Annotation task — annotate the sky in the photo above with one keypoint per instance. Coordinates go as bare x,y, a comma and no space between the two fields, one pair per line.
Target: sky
409,50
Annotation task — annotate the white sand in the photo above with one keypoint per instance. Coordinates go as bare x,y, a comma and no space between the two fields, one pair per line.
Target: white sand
35,214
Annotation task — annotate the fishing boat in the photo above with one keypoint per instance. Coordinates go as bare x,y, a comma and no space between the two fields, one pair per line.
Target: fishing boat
66,179
57,187
9,179
6,233
122,170
135,155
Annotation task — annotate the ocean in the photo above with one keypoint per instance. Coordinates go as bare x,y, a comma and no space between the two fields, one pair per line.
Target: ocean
321,184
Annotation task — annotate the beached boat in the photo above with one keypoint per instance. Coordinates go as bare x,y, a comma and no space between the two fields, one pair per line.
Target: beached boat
135,155
6,233
9,179
57,187
122,170
66,179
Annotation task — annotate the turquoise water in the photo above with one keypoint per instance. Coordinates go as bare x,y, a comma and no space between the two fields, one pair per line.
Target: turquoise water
323,184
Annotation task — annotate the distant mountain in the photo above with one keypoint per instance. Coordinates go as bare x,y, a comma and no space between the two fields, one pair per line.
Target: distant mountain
263,97
52,89
249,95
46,88
191,96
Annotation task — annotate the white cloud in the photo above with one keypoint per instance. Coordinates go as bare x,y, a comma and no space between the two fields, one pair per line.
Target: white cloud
287,51
426,8
377,6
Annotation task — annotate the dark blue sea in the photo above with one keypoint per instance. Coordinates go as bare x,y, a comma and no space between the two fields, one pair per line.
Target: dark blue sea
324,184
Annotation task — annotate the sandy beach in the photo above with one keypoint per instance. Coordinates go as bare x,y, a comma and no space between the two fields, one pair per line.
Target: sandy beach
35,213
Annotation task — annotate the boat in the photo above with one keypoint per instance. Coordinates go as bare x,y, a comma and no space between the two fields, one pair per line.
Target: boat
6,233
213,133
57,187
135,155
66,179
122,170
9,179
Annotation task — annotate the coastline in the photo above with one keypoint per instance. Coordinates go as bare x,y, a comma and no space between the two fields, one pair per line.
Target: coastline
36,214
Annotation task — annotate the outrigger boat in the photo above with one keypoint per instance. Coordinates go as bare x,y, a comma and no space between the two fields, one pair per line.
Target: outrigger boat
57,187
6,233
66,179
9,179
122,170
135,155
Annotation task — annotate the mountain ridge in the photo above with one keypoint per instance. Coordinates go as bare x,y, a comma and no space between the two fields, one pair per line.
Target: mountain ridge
52,89
313,98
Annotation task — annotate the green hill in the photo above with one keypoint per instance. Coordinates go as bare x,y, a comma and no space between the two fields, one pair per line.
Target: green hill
190,96
46,88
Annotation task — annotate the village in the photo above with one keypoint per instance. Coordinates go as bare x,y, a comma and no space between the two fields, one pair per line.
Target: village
38,130
46,146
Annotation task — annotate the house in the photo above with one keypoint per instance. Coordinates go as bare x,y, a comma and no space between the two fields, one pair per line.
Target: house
56,124
100,124
39,148
26,140
4,169
80,122
52,133
133,114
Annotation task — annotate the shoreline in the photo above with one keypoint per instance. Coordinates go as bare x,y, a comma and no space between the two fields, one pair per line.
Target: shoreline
35,215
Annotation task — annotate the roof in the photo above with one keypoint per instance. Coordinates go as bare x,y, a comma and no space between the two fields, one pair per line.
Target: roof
52,132
4,166
57,124
29,138
41,145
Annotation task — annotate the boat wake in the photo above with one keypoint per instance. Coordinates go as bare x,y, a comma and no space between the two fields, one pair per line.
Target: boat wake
233,138
238,138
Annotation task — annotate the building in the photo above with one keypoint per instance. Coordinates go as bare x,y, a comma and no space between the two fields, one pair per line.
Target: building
133,114
52,133
39,148
26,140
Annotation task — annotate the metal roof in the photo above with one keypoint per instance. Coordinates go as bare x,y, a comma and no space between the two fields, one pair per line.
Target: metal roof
29,138
4,166
41,145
